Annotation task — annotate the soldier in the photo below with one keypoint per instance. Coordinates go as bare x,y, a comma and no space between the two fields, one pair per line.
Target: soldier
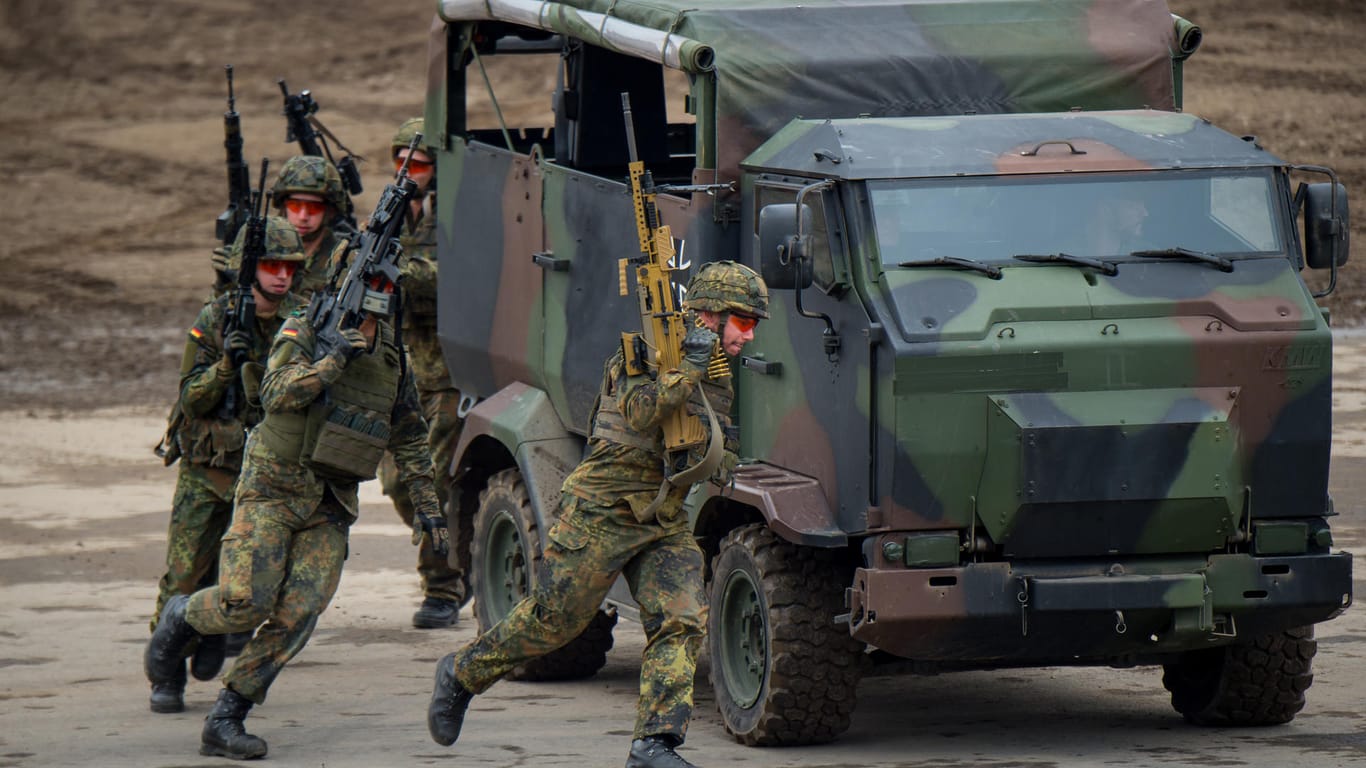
331,409
208,438
309,193
616,517
445,589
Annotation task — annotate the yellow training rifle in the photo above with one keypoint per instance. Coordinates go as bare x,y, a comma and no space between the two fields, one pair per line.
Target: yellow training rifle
659,344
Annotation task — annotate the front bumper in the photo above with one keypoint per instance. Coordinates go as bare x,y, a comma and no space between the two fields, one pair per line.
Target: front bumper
1028,612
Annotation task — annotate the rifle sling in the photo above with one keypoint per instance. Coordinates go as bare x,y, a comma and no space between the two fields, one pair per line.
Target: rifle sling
698,472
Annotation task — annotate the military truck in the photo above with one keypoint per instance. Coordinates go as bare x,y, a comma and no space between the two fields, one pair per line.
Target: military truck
1043,383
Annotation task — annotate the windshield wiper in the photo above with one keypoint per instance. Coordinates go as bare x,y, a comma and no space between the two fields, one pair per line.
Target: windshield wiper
1225,265
955,262
1108,267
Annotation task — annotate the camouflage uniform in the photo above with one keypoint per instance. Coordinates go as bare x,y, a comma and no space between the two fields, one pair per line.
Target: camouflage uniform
282,557
444,587
617,517
440,401
208,444
210,448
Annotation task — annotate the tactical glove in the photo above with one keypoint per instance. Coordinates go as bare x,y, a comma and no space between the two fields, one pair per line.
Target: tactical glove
224,275
432,524
343,345
698,345
236,346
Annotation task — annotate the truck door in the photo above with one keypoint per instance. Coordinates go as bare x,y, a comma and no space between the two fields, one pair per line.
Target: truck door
803,391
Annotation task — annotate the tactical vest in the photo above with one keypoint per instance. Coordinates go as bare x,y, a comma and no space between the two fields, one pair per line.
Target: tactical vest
609,423
343,434
217,442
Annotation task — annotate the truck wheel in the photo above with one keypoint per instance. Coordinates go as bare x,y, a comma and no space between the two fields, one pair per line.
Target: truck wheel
782,671
1259,681
505,554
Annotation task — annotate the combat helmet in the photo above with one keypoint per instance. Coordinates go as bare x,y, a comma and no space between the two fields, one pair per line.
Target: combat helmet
727,286
312,175
410,128
282,242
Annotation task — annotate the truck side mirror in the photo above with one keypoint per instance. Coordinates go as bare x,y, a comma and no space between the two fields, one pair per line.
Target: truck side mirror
783,258
1327,226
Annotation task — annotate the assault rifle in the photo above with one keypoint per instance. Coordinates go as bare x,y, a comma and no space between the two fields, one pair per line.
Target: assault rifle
304,128
241,314
375,252
239,177
659,344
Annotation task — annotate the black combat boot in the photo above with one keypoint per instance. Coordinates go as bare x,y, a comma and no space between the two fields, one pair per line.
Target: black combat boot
164,658
207,660
656,752
446,713
436,613
169,695
224,734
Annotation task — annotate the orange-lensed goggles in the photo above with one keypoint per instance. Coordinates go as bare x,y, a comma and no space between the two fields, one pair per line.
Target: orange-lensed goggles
743,323
277,268
304,207
414,165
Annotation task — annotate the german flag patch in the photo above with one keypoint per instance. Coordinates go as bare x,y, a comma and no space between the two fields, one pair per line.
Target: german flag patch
289,332
196,333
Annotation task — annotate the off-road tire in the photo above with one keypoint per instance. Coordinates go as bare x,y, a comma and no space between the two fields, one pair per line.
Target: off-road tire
782,672
505,554
1260,681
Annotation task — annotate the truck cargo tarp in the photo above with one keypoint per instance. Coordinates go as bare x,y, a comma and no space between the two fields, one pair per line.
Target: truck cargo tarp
775,60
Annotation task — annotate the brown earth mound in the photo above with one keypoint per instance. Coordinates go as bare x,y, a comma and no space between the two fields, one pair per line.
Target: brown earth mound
112,150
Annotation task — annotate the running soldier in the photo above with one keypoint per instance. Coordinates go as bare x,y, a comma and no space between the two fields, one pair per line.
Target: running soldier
331,410
616,517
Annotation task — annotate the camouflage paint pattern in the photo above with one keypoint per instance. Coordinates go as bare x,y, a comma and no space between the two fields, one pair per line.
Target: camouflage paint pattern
951,396
589,547
210,448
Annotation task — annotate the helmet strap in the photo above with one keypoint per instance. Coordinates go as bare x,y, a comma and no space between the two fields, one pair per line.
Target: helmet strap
274,297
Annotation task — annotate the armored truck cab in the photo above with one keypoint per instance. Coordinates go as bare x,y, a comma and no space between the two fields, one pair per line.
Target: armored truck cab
1042,382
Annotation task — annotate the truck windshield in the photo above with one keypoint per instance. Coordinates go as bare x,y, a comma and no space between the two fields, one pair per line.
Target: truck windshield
995,219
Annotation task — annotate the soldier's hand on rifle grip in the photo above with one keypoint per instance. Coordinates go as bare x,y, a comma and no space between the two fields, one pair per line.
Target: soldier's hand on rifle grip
344,345
698,346
434,525
236,346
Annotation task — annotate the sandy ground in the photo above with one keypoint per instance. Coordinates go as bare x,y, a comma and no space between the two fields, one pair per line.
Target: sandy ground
82,520
111,152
